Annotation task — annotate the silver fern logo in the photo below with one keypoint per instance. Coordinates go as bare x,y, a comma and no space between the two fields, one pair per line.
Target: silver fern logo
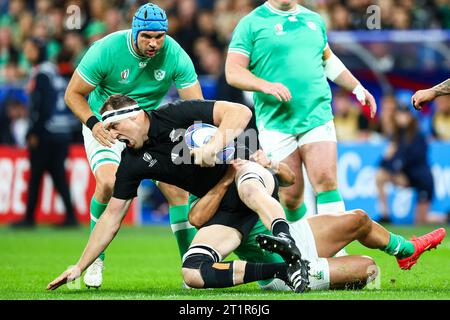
148,158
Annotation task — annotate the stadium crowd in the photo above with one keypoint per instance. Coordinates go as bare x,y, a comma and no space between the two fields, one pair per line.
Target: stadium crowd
203,28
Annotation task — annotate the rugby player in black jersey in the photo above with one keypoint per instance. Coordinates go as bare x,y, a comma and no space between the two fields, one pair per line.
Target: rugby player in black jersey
156,150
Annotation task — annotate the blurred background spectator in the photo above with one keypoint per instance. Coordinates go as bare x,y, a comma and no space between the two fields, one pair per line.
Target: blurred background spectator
351,124
405,164
49,132
441,118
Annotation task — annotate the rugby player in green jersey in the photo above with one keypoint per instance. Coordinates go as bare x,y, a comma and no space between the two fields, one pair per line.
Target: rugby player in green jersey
142,62
280,52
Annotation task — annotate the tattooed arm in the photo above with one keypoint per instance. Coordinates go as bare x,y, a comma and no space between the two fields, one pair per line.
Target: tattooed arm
428,95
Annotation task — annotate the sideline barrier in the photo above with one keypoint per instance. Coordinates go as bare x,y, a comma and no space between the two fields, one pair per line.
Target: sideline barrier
14,175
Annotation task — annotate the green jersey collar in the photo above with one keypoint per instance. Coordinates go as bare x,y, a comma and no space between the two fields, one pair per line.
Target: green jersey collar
281,12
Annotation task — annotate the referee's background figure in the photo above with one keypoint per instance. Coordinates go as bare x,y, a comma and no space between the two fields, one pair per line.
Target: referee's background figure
50,130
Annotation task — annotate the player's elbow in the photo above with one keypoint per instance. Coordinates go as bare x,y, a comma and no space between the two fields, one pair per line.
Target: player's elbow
68,96
195,220
229,74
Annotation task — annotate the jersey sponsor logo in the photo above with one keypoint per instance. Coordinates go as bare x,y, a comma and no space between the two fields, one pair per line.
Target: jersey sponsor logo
311,25
124,75
148,158
142,64
159,74
293,19
279,28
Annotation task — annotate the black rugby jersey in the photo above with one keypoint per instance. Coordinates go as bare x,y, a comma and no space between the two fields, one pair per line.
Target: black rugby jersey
165,157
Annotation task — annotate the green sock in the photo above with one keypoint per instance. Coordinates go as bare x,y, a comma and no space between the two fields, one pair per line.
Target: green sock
96,210
184,232
330,202
399,246
296,214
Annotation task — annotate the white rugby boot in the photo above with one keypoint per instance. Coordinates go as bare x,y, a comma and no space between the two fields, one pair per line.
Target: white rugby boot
94,274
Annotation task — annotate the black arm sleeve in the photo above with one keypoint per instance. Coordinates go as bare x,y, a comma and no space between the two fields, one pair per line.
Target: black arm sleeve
40,104
184,113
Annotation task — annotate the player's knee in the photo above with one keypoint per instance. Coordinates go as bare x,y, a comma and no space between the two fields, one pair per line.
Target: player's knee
193,260
325,182
247,190
361,221
105,184
290,201
370,268
202,270
192,278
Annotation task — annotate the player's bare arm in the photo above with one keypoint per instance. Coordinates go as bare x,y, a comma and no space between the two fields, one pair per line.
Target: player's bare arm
238,75
205,207
191,93
75,97
336,71
231,120
427,95
104,232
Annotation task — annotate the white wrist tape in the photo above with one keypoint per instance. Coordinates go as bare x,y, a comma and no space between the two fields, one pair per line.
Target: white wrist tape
360,93
333,67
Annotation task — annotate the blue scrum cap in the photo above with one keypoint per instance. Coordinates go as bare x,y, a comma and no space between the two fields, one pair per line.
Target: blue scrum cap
149,17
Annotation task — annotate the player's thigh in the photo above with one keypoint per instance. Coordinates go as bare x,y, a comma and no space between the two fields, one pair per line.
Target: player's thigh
175,196
103,162
221,238
351,272
332,232
318,149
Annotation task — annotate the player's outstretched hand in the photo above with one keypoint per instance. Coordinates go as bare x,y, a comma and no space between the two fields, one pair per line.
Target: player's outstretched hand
370,101
102,135
422,96
67,276
204,156
366,99
278,90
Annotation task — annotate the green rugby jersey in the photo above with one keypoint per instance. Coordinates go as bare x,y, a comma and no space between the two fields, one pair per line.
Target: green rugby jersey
113,66
286,47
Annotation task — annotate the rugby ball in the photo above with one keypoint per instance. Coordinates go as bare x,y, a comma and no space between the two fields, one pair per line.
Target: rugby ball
199,134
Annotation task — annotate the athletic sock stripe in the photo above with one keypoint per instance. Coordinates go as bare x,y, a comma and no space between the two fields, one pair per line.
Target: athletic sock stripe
107,160
101,151
251,175
94,218
181,226
202,249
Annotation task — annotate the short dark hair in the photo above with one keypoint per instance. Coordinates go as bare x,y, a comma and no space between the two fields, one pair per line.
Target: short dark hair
117,101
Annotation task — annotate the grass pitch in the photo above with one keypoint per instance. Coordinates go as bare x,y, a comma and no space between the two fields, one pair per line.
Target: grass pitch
143,263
